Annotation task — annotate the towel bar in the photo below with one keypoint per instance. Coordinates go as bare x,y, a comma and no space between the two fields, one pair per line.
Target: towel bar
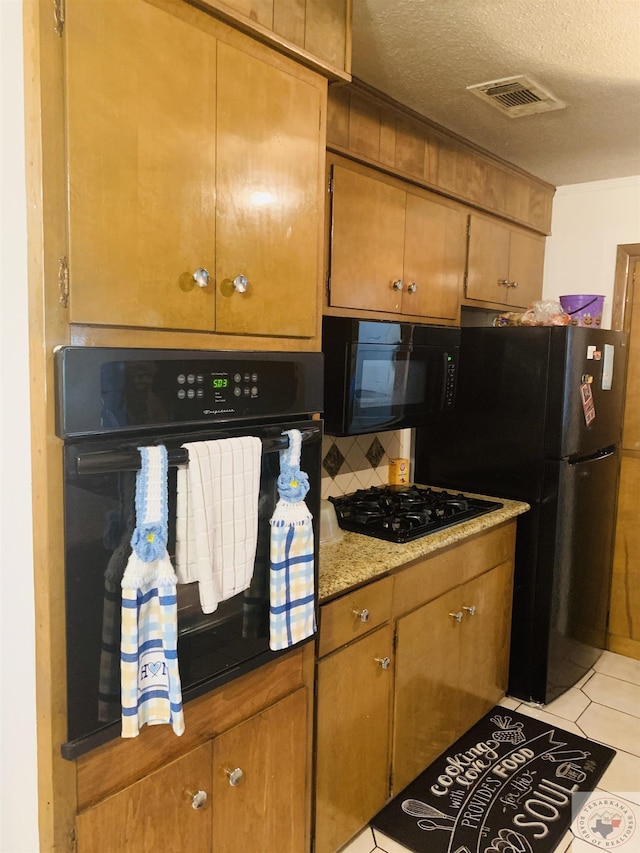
114,461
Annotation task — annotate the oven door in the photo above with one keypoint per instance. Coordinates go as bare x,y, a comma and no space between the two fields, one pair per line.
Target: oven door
99,519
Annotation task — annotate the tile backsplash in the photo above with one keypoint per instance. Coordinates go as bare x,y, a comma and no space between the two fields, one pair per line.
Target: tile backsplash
360,461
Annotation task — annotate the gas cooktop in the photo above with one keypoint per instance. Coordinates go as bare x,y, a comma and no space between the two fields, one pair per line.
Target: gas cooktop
403,513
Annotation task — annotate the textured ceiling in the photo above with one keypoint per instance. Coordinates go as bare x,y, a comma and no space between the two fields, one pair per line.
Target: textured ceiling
424,53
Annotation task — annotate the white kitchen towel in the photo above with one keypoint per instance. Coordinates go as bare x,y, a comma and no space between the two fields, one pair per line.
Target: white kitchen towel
217,517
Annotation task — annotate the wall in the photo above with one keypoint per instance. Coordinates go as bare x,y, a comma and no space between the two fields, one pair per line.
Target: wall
18,783
359,461
588,222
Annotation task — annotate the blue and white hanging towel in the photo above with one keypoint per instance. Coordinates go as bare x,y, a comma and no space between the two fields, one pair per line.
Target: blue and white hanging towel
150,681
292,571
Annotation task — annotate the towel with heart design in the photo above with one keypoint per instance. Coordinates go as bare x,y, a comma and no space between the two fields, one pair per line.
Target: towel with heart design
150,680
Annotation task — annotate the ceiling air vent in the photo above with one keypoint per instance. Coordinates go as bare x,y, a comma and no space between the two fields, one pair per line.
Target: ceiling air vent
516,96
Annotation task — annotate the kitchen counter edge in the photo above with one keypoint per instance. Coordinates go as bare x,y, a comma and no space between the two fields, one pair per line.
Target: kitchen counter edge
358,559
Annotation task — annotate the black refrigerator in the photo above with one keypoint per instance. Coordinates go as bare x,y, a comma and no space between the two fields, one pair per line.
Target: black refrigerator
538,418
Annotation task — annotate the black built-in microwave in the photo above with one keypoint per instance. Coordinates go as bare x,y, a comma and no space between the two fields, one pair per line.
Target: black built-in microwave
383,375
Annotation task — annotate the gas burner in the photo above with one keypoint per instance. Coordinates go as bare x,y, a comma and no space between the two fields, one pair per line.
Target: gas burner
403,513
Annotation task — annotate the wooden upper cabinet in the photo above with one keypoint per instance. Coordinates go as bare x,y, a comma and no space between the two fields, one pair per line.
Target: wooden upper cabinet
365,124
155,813
141,162
393,251
367,242
190,148
504,264
435,253
268,205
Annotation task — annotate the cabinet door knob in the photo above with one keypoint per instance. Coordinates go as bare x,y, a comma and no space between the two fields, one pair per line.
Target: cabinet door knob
198,800
397,285
504,282
202,277
362,614
385,662
470,610
235,776
412,287
457,616
513,284
241,284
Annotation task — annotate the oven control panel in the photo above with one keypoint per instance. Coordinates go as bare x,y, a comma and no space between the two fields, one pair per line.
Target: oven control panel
103,389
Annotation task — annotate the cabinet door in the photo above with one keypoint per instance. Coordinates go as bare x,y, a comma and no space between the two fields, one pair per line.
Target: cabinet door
155,813
352,773
526,263
367,242
484,658
427,697
435,252
487,261
141,159
267,810
269,198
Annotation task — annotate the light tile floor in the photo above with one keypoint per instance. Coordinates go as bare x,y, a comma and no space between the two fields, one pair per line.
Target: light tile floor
603,706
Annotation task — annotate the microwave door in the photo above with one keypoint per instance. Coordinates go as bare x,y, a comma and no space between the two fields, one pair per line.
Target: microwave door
374,397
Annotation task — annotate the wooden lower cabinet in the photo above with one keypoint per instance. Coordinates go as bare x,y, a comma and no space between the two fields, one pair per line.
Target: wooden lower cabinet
452,658
353,726
445,630
243,790
266,810
155,813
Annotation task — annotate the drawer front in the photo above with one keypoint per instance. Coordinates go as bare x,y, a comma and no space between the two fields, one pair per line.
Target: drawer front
354,614
433,576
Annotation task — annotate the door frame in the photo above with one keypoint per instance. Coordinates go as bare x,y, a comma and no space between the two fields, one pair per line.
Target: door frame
628,254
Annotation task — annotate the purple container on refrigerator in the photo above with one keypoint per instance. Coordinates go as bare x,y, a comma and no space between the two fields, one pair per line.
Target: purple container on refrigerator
539,419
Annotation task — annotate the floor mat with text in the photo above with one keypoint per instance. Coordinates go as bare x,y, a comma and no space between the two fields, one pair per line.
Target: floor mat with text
507,786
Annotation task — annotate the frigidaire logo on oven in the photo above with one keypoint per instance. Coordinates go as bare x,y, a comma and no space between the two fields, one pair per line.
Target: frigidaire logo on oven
218,411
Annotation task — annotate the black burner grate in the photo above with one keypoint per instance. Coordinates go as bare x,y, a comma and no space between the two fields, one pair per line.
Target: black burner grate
403,513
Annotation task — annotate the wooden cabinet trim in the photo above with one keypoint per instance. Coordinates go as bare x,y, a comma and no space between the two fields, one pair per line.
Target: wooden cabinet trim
115,765
403,142
266,32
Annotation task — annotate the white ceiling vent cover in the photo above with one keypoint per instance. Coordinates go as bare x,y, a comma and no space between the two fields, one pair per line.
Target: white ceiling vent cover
516,96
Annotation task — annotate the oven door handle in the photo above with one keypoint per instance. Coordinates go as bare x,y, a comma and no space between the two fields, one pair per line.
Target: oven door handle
113,461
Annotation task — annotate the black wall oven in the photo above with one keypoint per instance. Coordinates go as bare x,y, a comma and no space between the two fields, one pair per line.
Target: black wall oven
113,401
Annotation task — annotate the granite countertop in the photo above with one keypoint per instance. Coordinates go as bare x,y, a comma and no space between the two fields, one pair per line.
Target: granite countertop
357,559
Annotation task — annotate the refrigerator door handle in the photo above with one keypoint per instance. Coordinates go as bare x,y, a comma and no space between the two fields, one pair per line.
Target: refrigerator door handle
593,457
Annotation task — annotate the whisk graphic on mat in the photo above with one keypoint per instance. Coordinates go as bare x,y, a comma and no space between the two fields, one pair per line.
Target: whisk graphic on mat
416,808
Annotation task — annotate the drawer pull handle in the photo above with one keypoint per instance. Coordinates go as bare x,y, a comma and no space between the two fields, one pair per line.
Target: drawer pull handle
385,662
470,610
363,614
198,800
235,776
457,616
